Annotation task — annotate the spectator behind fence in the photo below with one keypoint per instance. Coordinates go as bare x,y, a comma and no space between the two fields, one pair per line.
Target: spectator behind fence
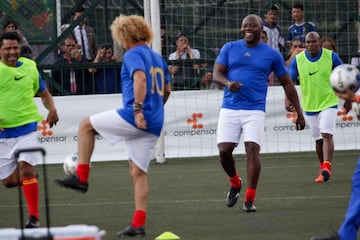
107,79
69,80
165,41
184,75
275,39
25,51
328,43
207,80
84,35
11,26
299,28
296,47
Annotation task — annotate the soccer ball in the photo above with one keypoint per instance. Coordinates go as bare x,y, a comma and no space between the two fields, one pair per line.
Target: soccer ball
70,164
345,76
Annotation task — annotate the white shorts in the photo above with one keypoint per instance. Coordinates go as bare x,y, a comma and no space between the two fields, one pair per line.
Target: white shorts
233,123
323,122
8,147
140,145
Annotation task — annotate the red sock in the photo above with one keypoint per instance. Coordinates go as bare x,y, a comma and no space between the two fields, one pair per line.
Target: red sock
327,164
138,219
235,181
31,193
321,165
83,171
250,194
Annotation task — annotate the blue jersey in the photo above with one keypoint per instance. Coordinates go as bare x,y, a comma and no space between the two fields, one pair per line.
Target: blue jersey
251,67
299,31
157,76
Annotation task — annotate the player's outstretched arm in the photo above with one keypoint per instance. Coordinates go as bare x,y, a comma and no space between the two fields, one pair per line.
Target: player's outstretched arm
167,92
348,95
139,79
292,100
48,102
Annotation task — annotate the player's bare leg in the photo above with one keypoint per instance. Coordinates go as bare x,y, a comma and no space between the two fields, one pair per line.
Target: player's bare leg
328,151
320,155
226,158
228,163
141,196
25,176
253,167
141,187
319,150
86,142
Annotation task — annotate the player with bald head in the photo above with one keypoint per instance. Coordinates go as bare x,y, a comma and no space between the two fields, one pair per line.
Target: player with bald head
313,44
243,67
313,68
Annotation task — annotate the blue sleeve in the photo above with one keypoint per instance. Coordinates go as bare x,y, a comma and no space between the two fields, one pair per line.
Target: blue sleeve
290,34
293,70
279,66
133,62
42,85
166,72
222,57
336,60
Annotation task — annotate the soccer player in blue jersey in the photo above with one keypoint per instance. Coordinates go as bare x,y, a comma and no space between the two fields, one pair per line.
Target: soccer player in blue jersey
20,82
313,68
350,226
299,29
145,89
243,67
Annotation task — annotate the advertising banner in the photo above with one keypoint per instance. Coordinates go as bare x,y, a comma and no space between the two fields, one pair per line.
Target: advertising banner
190,126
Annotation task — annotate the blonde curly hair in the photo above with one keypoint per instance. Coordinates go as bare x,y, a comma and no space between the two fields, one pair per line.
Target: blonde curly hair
130,29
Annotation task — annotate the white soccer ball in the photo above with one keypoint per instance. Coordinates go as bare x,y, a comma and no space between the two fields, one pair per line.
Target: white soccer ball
70,164
345,76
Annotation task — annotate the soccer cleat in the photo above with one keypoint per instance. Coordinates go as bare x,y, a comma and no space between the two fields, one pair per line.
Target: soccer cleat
72,182
332,237
325,172
249,206
233,195
130,231
33,222
320,178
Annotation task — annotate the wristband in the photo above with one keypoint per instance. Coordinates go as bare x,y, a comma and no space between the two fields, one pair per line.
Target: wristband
228,84
138,106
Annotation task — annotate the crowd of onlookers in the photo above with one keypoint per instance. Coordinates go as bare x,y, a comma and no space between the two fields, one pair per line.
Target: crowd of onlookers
185,76
80,47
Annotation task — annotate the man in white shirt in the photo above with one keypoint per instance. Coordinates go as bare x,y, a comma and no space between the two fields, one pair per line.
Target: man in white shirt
183,76
273,31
